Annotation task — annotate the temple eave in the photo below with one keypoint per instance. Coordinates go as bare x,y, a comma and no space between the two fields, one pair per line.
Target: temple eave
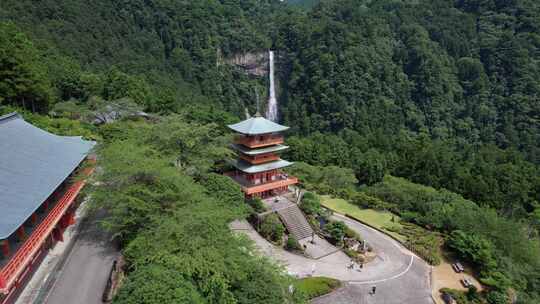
246,167
291,180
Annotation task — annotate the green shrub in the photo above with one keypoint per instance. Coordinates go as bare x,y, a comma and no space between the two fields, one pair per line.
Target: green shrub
496,297
363,200
316,286
271,228
458,295
336,230
257,205
424,243
310,205
352,234
293,244
353,254
314,223
474,248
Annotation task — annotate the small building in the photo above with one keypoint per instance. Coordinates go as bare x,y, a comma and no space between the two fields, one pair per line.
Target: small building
37,196
258,165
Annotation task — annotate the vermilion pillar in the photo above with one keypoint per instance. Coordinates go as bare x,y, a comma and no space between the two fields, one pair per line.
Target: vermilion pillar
58,235
5,247
71,218
34,218
21,233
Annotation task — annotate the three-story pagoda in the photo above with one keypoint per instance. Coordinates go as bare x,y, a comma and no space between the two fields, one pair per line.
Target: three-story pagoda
258,166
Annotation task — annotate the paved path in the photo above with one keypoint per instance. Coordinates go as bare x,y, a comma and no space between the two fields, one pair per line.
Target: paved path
83,277
399,275
411,286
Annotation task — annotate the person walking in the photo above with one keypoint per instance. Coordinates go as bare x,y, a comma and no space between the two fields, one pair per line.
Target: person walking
373,290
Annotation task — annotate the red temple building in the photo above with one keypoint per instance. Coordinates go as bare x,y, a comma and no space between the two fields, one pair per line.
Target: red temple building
258,166
38,196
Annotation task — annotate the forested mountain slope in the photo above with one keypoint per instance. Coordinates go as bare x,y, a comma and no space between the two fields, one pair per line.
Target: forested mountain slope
303,3
443,93
467,69
464,70
173,49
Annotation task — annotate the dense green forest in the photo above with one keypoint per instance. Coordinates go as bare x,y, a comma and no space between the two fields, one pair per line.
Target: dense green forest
303,3
441,93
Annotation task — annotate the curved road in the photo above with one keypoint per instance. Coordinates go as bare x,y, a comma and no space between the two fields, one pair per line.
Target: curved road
411,286
400,276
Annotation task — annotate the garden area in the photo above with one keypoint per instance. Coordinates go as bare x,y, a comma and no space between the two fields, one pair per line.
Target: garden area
425,243
313,287
381,220
336,233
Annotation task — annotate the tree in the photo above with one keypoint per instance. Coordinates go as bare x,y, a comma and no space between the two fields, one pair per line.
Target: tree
336,230
310,204
190,146
370,167
226,191
23,80
156,284
474,248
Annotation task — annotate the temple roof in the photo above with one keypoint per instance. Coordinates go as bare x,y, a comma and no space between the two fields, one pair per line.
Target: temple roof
248,151
33,163
246,167
257,125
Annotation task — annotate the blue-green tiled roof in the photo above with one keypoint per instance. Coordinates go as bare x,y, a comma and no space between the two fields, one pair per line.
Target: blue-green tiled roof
33,163
257,125
248,151
246,167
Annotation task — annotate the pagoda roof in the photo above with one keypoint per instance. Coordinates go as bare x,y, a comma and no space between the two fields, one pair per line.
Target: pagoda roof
245,150
33,163
257,125
246,167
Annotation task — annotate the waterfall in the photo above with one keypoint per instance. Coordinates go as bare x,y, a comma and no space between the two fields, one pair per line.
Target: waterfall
272,110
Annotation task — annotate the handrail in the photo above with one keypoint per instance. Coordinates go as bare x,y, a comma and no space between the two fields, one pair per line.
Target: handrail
270,185
255,143
260,159
25,253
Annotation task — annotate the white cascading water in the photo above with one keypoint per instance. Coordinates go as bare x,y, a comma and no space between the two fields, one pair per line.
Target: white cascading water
272,110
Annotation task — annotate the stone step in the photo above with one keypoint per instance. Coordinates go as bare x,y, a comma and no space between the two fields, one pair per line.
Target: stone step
295,222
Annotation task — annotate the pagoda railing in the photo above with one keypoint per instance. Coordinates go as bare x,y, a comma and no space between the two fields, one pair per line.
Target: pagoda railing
259,159
257,141
290,180
24,255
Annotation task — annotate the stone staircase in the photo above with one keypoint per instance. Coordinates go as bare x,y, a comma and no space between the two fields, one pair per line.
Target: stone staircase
295,222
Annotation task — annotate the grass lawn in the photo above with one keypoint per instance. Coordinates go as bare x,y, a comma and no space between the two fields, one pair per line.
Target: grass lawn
316,286
379,219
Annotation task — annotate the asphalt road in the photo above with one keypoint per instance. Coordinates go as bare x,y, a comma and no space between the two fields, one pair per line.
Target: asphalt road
84,274
411,285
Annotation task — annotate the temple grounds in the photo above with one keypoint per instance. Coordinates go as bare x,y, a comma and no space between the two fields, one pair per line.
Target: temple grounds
397,272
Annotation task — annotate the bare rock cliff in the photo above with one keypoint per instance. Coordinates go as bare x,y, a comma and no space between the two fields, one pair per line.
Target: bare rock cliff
253,63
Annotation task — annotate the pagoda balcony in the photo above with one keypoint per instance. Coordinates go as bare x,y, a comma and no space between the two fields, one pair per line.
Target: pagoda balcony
250,188
259,159
53,223
259,141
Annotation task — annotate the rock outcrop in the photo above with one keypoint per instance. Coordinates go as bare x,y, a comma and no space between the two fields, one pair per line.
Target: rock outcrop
253,63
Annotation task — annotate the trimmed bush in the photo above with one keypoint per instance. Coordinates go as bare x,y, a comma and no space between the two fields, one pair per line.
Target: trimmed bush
271,228
293,244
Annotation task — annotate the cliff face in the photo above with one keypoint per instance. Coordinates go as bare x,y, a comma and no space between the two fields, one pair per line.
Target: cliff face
253,63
